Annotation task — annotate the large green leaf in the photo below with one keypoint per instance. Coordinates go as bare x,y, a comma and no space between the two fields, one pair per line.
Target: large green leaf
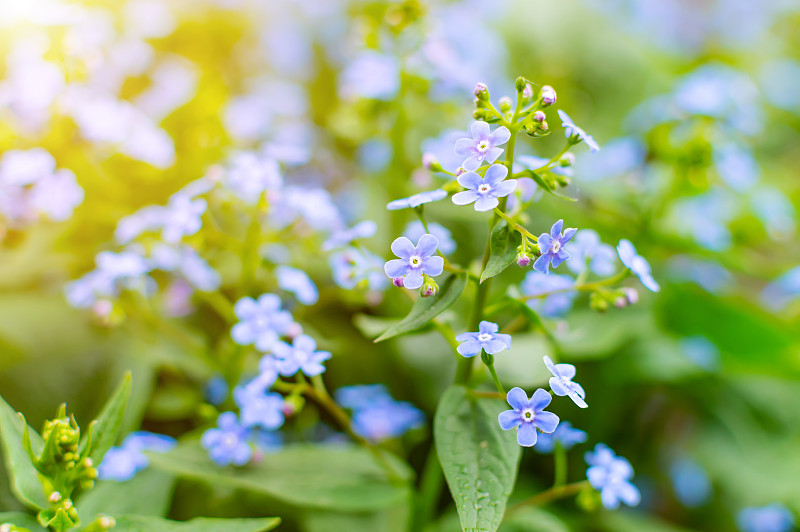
391,520
344,478
148,493
22,520
533,520
22,475
503,244
140,523
427,308
479,459
106,427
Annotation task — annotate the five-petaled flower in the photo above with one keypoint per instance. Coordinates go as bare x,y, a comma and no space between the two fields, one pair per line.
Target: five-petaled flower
561,382
261,322
484,191
565,435
416,200
258,407
576,134
229,442
637,264
414,260
300,356
483,146
528,415
611,475
487,338
552,247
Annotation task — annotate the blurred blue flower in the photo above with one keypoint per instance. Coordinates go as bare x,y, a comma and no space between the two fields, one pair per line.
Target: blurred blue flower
300,356
736,165
414,231
371,75
259,408
376,415
442,149
565,435
487,339
526,190
417,199
123,462
701,351
249,175
374,155
338,239
637,264
483,146
770,518
780,81
215,390
561,382
617,158
362,395
414,261
551,247
587,250
182,217
528,415
705,218
690,482
555,291
775,210
708,274
298,283
261,322
611,474
352,267
576,134
228,443
784,290
484,191
185,261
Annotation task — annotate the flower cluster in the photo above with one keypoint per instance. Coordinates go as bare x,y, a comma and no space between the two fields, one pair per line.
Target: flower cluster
123,462
376,415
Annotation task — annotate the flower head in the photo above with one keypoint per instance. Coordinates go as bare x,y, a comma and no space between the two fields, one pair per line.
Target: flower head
414,260
258,407
483,146
637,264
552,247
586,250
561,382
417,199
376,415
414,230
611,475
484,191
228,443
123,462
770,518
300,356
528,415
352,267
555,292
261,322
564,435
181,217
298,283
576,134
487,339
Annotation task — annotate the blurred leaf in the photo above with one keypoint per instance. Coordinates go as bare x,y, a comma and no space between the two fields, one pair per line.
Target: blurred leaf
479,459
23,476
21,519
533,520
594,335
139,523
334,477
632,521
391,520
174,401
503,247
544,186
148,493
427,308
108,423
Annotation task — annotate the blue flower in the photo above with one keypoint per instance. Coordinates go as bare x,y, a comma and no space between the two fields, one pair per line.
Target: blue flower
576,134
338,239
297,282
185,261
487,339
555,293
300,356
414,261
352,267
386,420
483,146
249,175
561,382
552,247
484,191
770,518
528,415
228,443
215,390
182,217
370,75
414,230
123,462
587,250
565,435
362,396
417,199
782,291
611,474
637,264
690,483
258,407
261,322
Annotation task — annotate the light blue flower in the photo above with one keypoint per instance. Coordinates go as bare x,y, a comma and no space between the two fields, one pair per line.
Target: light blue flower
561,382
528,415
551,247
611,474
123,462
637,264
215,390
182,217
690,482
586,249
376,415
414,261
371,75
259,408
229,442
298,283
770,518
185,261
416,200
555,293
300,356
414,230
442,149
617,158
362,396
576,134
261,322
564,435
783,291
736,165
249,175
487,339
338,239
484,191
483,146
701,351
352,267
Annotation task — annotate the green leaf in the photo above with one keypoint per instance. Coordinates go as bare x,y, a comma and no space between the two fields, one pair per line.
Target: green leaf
533,520
427,308
20,519
479,459
148,493
344,478
503,247
60,521
23,477
140,523
392,520
103,432
541,182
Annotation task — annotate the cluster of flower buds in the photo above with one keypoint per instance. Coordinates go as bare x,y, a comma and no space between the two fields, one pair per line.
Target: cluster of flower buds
601,300
429,287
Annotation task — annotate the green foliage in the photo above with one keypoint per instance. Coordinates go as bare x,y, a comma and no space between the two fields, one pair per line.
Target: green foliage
139,523
149,493
104,431
503,246
22,474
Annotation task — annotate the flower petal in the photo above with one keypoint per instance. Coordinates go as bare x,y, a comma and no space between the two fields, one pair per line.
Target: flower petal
396,268
495,174
479,130
463,337
465,147
517,398
433,266
487,327
548,362
413,279
465,198
492,155
504,188
426,246
540,399
556,229
470,348
546,421
500,136
509,419
470,180
495,345
403,248
527,435
558,387
566,370
486,203
542,264
472,163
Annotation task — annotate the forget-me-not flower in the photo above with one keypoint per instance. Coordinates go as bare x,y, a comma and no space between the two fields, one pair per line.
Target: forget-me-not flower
483,146
586,250
561,382
611,474
416,200
690,482
353,266
487,338
298,283
552,247
182,217
414,261
484,191
414,230
258,407
528,415
229,442
565,435
300,356
123,462
576,134
770,518
637,264
261,322
555,291
338,239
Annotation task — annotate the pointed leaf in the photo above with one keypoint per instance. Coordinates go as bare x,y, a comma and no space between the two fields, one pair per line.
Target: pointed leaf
22,520
427,308
503,247
23,477
541,182
479,459
148,493
104,431
140,523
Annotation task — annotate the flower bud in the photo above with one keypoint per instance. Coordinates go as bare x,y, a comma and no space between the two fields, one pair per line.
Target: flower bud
54,497
527,93
543,128
481,91
561,180
620,302
548,95
632,295
398,282
430,162
568,159
598,302
523,259
538,116
520,84
429,287
505,104
460,171
106,522
481,114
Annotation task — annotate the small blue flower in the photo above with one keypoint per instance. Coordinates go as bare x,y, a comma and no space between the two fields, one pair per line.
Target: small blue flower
637,264
561,382
565,435
215,390
414,261
770,518
362,396
484,191
611,474
298,283
690,482
229,442
483,146
414,230
352,267
555,293
487,339
528,415
123,462
386,420
261,322
417,199
576,134
258,407
552,247
182,217
300,356
338,239
587,250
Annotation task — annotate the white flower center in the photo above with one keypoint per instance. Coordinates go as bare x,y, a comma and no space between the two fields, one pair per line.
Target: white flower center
484,337
483,146
555,247
415,261
527,415
230,440
484,189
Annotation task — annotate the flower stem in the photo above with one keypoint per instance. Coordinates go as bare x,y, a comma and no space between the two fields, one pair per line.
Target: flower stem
560,459
515,225
553,494
584,287
489,361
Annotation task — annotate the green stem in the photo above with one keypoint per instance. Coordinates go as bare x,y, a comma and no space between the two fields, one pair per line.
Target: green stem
515,225
430,489
560,459
552,162
553,494
585,287
488,360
